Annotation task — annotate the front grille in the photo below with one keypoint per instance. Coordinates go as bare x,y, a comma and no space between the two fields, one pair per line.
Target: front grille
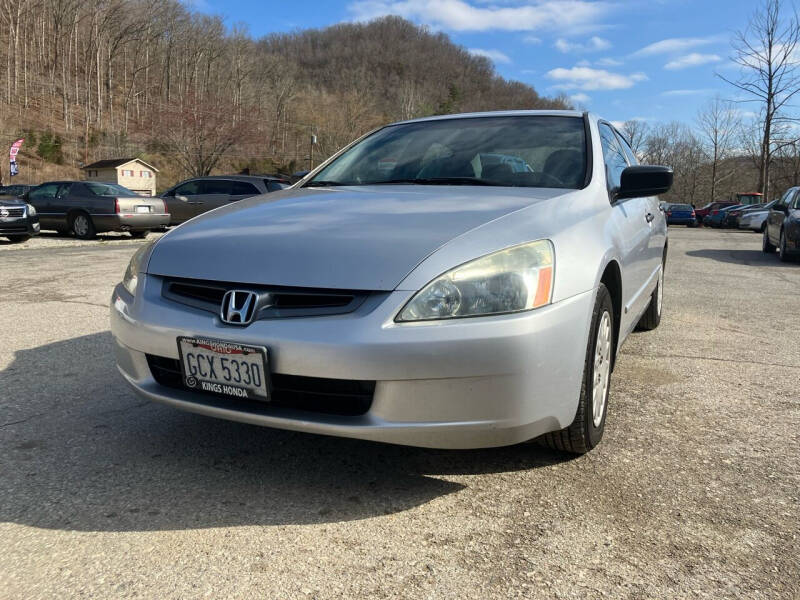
16,229
343,397
284,301
13,212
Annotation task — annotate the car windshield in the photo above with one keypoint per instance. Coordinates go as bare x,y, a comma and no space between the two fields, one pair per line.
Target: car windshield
524,151
108,189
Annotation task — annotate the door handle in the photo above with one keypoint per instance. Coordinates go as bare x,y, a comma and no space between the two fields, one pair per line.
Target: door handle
195,202
649,217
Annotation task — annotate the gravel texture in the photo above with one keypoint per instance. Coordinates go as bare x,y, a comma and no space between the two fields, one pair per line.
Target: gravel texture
694,492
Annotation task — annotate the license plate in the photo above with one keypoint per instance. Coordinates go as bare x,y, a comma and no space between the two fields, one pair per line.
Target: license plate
142,208
228,368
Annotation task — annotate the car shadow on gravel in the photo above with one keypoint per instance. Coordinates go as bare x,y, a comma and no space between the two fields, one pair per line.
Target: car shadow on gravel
79,451
741,257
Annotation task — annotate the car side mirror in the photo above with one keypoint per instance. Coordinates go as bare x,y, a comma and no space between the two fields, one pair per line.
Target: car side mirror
640,181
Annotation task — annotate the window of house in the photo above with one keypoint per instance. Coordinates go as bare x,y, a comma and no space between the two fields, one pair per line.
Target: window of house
92,173
127,172
145,174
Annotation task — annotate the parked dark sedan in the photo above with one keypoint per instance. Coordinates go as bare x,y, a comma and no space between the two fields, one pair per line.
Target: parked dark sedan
680,214
18,220
89,207
783,226
198,195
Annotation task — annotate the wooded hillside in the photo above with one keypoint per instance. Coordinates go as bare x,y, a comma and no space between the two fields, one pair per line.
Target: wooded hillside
86,80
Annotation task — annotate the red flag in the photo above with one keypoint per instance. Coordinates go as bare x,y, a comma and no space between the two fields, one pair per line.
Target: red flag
12,154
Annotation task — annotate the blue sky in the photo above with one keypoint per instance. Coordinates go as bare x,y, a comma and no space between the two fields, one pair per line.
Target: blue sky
626,59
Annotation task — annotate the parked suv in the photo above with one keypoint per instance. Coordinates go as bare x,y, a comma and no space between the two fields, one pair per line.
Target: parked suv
195,196
783,226
18,220
16,190
407,292
90,207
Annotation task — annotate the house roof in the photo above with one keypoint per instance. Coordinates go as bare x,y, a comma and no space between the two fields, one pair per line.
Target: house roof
113,163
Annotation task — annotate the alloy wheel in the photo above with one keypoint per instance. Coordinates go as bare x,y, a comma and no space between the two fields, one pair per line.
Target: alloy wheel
80,225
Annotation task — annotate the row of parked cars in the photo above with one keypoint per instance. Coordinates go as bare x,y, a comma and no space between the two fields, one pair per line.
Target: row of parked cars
86,208
778,221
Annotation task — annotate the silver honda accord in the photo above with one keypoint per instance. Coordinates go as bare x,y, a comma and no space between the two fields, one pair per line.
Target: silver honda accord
453,282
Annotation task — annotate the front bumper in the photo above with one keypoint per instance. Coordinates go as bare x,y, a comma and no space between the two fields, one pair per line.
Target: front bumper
19,226
465,383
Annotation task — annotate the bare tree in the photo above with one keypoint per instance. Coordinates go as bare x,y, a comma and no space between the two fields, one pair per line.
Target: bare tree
766,55
200,133
636,132
718,123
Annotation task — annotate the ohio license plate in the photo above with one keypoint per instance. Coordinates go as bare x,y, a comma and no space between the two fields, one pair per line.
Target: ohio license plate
142,208
228,368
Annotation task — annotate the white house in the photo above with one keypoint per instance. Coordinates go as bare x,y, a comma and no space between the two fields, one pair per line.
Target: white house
133,173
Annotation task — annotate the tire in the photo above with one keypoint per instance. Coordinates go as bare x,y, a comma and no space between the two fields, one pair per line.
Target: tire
139,235
82,226
18,239
652,316
783,251
587,428
766,245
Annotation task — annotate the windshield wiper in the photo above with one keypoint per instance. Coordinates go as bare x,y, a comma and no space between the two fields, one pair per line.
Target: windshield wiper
441,181
324,183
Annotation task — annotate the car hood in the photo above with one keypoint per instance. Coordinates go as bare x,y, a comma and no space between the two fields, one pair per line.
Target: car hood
10,201
360,238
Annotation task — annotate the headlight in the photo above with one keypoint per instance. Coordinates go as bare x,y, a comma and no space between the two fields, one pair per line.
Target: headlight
131,278
511,280
31,210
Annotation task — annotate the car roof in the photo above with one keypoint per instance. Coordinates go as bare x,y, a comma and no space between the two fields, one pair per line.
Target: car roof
497,113
238,177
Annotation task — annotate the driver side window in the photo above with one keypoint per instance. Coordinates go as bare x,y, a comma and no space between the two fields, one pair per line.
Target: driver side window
190,188
613,156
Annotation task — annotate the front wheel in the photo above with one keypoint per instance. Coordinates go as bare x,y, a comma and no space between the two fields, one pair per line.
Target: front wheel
766,245
587,428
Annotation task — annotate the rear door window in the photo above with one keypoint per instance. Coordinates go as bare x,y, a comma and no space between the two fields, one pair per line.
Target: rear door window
243,188
215,186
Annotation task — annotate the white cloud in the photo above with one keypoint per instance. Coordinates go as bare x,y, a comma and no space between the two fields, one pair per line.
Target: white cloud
532,40
461,15
491,54
693,59
580,98
675,45
686,92
594,44
588,79
609,62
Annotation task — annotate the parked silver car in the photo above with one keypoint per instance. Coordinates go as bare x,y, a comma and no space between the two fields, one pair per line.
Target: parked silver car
755,219
405,292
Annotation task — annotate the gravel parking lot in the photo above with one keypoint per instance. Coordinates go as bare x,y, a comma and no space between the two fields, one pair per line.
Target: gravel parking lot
695,491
